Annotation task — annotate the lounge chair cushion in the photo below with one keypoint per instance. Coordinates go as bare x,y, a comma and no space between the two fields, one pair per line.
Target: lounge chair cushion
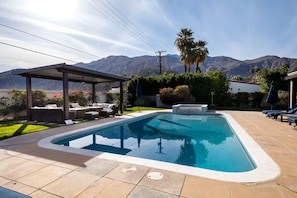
74,105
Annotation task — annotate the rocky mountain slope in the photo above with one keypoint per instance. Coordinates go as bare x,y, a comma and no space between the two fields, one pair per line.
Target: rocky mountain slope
149,65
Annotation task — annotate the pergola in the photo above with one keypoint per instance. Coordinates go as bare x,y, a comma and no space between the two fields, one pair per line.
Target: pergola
67,73
292,77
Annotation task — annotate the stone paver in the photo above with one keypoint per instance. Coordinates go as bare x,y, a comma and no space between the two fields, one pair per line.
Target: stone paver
19,187
128,173
22,169
71,185
97,166
171,182
39,172
96,188
44,176
265,190
116,189
145,192
40,194
201,187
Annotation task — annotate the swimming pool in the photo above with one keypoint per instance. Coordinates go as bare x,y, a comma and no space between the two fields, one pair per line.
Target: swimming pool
204,141
265,168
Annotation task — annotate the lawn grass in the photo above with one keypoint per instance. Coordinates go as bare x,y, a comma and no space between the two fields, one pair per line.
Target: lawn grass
140,108
15,128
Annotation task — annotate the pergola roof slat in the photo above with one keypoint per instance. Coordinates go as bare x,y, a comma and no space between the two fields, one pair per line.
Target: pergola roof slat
75,74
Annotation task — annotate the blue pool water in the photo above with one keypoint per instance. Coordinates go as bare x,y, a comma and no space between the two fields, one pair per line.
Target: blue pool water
204,141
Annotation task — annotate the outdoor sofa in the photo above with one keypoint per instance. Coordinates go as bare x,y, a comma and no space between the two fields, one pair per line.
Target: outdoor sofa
53,114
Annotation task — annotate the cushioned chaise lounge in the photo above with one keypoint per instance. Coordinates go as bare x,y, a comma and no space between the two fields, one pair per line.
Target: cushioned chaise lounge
292,119
282,114
271,111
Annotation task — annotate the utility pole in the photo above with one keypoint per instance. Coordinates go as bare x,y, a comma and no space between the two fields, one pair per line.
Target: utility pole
159,53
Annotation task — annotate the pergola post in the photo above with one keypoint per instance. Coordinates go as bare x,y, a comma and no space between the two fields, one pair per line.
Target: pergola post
65,96
292,93
93,93
65,73
29,97
121,97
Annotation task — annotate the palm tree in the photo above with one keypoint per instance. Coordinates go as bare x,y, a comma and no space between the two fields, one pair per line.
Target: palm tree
184,43
200,53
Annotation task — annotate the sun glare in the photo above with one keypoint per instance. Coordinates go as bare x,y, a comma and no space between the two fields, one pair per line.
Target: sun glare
53,9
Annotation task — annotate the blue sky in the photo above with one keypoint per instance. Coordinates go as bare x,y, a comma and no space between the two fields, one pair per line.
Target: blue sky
87,30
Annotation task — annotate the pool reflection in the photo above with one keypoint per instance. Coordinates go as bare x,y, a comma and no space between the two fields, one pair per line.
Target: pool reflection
199,141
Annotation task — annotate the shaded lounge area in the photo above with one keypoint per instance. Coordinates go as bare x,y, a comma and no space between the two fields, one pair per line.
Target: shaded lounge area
65,73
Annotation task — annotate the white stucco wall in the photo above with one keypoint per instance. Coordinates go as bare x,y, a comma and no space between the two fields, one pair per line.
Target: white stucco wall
235,87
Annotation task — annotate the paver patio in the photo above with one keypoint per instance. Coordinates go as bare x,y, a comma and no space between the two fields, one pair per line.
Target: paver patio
40,172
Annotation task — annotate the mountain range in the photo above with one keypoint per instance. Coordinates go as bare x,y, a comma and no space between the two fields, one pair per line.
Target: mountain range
149,65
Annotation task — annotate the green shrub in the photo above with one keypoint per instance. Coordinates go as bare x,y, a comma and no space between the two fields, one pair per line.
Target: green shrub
172,96
167,96
200,86
57,99
182,92
79,96
39,98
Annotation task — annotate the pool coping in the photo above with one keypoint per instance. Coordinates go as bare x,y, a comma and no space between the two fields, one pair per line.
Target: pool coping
266,169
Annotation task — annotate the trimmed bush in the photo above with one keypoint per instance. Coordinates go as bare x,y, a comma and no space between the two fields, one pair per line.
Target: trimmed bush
167,96
182,92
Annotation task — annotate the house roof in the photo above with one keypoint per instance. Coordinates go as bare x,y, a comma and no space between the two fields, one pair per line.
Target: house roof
292,75
75,74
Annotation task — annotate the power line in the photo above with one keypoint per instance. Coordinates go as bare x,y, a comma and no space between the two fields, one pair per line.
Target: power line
34,51
48,40
118,18
141,33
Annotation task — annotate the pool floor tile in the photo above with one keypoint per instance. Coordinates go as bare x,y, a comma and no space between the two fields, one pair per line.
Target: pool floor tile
128,173
171,182
71,185
44,176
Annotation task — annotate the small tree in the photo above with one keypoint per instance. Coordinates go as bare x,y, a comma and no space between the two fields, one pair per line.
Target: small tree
57,99
39,98
79,97
18,101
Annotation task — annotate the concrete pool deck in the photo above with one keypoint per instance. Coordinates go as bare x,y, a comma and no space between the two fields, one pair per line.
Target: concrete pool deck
38,172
